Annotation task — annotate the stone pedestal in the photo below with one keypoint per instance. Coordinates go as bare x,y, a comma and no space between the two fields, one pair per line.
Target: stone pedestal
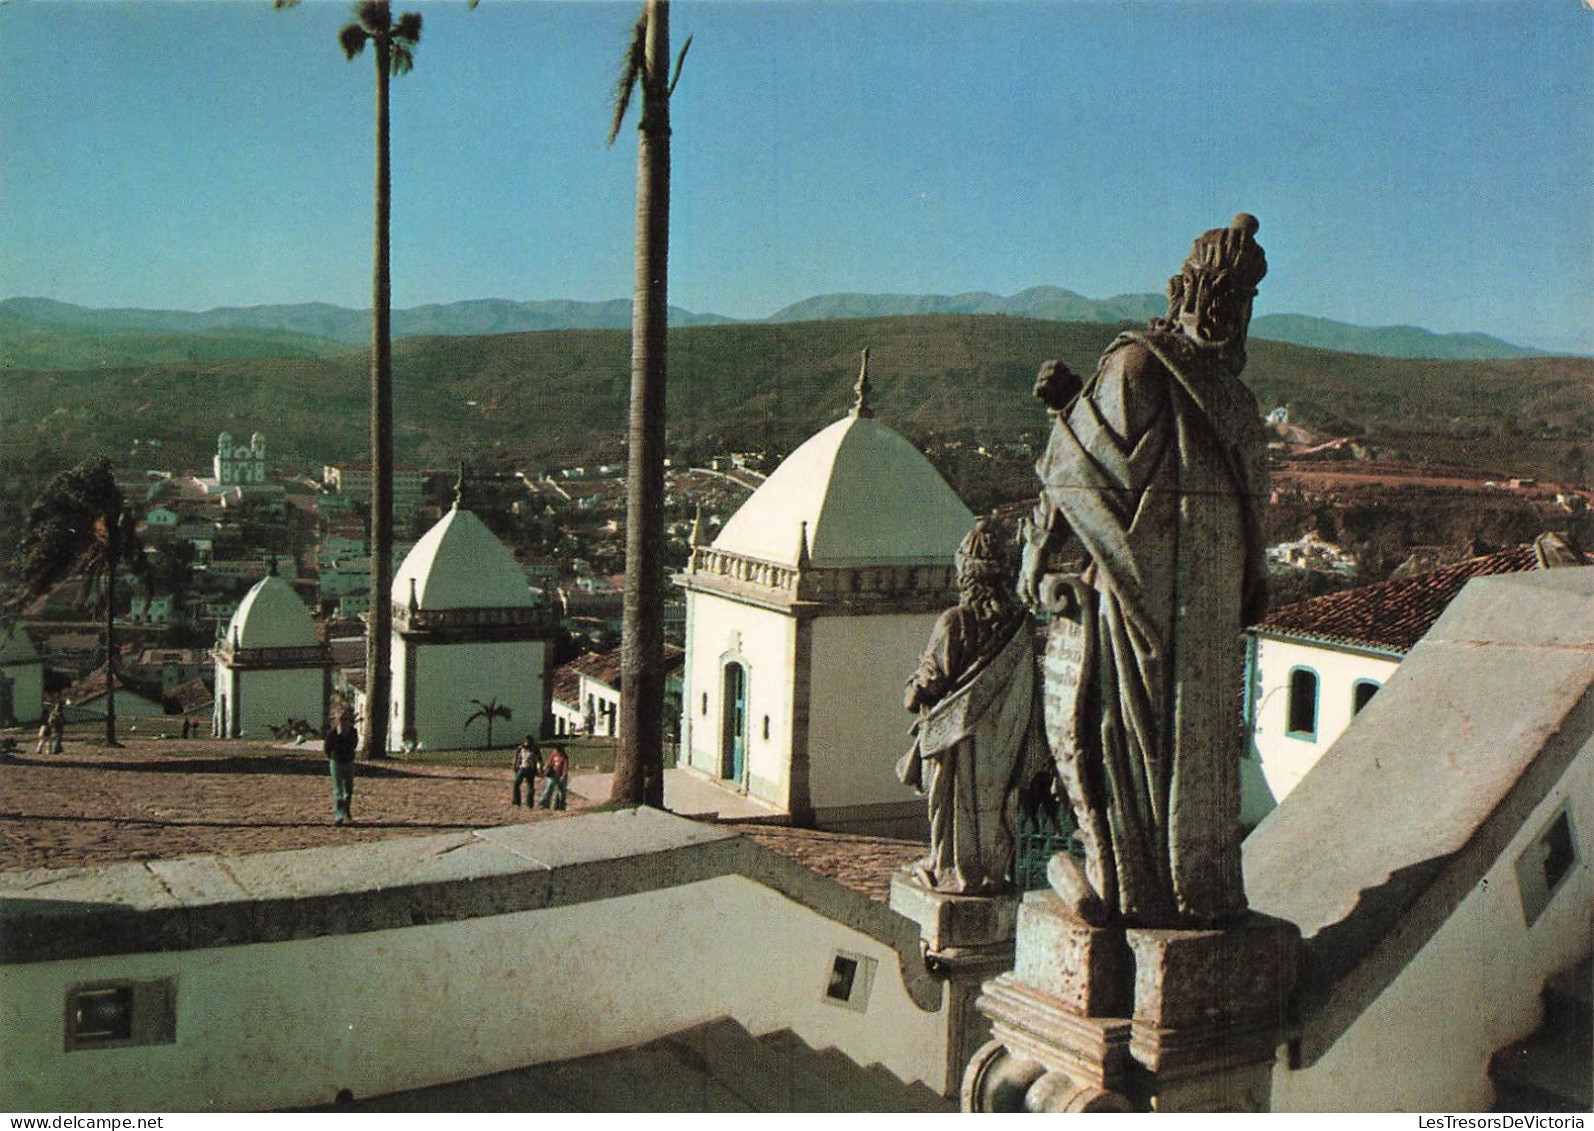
967,939
1133,1019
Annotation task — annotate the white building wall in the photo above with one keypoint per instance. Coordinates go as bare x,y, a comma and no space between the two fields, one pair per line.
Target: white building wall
27,690
449,676
765,643
857,726
1284,758
271,1026
1425,1043
265,699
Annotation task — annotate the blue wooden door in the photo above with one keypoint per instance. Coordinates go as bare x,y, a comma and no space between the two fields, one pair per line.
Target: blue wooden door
733,740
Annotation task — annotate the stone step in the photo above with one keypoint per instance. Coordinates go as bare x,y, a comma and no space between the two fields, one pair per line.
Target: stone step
836,1083
661,1076
882,1082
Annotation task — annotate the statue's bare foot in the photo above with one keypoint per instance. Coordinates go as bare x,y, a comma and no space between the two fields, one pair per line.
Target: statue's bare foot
1067,880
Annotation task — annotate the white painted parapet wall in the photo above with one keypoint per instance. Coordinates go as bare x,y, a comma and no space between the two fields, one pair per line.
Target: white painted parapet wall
411,962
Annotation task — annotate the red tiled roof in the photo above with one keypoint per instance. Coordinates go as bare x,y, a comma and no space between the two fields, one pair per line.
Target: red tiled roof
862,863
605,666
567,684
1392,615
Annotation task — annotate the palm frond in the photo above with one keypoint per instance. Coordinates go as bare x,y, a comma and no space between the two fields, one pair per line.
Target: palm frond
679,59
630,72
375,16
284,3
408,28
352,39
401,60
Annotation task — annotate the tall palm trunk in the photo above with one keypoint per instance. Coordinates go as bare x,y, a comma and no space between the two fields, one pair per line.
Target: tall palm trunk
378,644
639,759
113,549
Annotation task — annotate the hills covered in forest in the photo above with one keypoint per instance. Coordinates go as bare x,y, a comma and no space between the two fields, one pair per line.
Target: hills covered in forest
541,399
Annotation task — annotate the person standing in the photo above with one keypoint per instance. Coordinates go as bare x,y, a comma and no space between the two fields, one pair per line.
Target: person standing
557,779
528,764
47,729
341,742
58,728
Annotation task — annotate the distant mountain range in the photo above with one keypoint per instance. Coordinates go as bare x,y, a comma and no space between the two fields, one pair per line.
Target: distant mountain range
38,333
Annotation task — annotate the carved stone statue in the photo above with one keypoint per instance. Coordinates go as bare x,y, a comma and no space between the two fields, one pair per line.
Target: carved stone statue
1156,466
978,736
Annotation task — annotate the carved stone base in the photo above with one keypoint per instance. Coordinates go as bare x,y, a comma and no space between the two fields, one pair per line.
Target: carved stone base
951,923
966,939
1104,1019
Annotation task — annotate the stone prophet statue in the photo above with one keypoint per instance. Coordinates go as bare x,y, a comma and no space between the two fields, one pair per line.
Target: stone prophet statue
978,735
1156,466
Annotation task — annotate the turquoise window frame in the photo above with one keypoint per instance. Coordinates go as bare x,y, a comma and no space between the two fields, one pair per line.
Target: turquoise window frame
1289,703
1355,689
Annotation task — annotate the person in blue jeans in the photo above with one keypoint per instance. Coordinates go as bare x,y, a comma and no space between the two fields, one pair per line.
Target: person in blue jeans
528,764
556,779
341,742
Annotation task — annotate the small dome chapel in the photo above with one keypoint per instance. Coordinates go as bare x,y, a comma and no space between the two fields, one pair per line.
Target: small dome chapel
806,616
271,665
466,627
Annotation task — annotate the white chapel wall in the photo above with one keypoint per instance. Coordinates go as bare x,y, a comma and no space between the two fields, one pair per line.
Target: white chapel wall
269,1026
857,726
270,698
1285,758
449,676
765,643
1425,1043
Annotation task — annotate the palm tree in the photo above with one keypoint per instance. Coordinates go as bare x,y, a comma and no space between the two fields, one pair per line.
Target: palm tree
639,759
490,710
394,42
79,526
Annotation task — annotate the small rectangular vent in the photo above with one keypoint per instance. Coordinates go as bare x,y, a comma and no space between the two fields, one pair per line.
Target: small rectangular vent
104,1015
849,980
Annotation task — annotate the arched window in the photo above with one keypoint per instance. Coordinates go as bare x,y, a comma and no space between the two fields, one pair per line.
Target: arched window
1361,693
1303,704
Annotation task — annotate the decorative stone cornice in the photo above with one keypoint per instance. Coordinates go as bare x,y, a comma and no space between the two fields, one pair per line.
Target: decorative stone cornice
860,588
520,622
304,656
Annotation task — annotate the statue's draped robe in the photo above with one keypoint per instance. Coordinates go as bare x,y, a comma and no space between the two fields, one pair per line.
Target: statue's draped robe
1169,518
978,740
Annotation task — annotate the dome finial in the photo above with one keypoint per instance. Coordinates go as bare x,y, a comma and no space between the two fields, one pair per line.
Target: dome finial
271,570
860,390
459,487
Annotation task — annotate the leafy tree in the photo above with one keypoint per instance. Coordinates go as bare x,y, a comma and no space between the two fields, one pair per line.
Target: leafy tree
393,42
639,759
80,527
490,710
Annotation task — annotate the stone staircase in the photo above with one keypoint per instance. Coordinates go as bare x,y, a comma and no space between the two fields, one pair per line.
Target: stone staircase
1552,1069
714,1067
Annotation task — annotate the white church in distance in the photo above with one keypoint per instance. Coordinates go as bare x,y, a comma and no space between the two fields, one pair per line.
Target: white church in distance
805,618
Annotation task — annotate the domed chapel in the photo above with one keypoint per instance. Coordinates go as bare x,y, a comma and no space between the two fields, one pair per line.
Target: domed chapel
271,665
805,618
466,627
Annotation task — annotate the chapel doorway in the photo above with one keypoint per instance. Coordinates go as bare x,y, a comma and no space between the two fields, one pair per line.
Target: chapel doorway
733,728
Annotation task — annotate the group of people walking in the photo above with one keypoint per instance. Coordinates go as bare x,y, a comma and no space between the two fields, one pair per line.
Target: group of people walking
343,741
529,766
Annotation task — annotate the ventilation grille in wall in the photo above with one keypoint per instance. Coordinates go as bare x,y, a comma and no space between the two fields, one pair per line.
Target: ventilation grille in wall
106,1015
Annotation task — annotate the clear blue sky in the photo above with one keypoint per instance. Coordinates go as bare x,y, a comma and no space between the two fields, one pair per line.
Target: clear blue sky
1423,163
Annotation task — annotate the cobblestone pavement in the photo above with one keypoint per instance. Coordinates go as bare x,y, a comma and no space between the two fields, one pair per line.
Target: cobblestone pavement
163,798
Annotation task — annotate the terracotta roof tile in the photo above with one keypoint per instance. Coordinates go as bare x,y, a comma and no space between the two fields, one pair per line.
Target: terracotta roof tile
862,863
1392,615
605,666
